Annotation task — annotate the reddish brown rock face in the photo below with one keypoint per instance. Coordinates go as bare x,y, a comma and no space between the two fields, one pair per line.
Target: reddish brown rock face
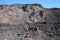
4,17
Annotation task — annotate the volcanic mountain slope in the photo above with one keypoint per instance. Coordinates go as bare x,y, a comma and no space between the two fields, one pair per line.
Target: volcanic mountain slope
29,22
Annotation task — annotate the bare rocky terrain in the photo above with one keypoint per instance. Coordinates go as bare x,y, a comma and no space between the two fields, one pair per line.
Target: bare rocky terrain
29,22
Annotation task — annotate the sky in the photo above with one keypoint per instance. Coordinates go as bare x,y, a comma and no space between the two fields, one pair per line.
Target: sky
44,3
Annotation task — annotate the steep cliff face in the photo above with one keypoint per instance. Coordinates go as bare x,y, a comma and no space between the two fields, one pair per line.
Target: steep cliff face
29,22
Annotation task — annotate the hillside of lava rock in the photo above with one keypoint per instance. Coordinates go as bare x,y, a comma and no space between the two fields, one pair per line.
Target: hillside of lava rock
29,22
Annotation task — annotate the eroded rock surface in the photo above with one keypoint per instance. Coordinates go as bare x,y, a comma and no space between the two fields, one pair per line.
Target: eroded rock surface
29,22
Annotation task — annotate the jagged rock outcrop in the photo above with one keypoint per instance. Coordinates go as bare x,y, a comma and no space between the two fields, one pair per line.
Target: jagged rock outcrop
29,22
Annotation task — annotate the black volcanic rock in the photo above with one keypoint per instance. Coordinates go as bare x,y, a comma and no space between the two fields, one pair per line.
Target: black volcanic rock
29,22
